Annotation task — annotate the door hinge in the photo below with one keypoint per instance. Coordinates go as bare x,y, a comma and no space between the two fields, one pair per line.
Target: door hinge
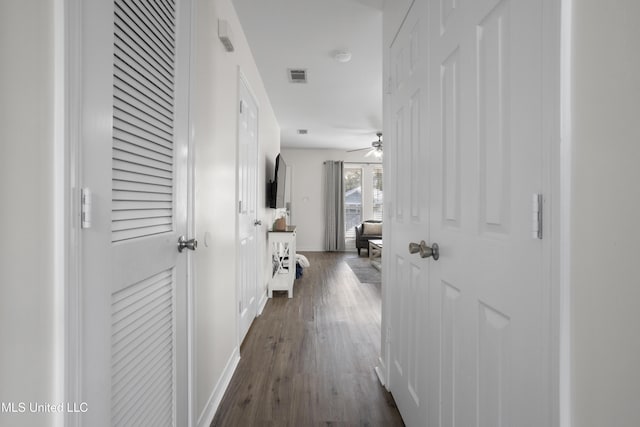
85,208
241,106
536,216
240,206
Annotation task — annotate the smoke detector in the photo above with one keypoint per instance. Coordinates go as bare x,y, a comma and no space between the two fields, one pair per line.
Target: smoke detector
342,56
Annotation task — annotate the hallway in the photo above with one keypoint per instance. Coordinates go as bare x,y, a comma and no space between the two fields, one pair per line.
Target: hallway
310,360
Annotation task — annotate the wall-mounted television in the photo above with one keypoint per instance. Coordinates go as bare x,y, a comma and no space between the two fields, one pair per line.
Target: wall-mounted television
277,186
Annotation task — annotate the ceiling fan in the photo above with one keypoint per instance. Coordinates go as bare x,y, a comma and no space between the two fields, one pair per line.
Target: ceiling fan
375,149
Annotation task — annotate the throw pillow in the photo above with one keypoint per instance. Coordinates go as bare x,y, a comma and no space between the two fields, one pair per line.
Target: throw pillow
372,229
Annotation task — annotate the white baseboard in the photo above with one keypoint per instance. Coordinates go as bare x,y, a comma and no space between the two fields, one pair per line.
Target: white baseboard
206,417
261,303
309,249
380,372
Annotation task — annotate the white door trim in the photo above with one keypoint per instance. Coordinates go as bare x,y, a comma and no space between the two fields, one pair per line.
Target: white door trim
192,416
68,14
563,233
65,244
557,185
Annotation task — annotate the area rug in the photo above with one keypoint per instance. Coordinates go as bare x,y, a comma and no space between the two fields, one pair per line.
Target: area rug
363,270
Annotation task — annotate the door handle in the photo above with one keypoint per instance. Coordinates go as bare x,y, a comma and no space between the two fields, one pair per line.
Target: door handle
424,250
257,222
188,244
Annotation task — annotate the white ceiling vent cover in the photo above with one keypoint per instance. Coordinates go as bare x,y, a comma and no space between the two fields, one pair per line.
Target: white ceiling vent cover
297,75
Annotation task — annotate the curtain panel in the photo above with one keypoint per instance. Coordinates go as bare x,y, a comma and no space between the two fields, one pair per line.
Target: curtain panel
334,206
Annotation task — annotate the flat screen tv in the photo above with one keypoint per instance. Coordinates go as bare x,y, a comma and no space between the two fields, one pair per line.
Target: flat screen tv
276,193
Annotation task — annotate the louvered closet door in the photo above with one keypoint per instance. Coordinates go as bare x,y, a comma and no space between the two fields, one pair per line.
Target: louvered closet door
134,280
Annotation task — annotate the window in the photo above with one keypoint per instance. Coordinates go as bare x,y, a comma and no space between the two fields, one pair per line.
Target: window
352,201
377,193
362,197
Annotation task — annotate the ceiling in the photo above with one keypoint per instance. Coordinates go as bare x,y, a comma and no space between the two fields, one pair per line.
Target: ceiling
341,104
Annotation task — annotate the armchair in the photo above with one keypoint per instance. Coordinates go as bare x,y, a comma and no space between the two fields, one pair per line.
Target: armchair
370,229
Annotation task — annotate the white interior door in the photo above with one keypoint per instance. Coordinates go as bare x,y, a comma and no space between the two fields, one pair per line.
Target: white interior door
486,319
408,217
134,158
247,208
490,306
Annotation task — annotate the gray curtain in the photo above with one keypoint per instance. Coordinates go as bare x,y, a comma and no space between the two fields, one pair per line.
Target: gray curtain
334,206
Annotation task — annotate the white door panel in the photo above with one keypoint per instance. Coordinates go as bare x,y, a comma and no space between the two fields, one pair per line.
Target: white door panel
474,168
485,165
134,160
247,209
408,219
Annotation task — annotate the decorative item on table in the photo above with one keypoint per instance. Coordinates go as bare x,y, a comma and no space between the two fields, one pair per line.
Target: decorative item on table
280,224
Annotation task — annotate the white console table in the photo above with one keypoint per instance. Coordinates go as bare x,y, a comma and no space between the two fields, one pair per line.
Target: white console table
282,245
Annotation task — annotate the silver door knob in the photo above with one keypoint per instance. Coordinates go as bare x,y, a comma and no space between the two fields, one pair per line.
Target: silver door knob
188,244
424,250
257,222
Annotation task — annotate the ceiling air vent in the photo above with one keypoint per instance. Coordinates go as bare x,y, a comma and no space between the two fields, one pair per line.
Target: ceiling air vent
297,75
302,131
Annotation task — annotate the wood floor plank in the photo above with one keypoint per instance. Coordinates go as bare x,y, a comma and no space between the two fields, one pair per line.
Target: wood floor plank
309,360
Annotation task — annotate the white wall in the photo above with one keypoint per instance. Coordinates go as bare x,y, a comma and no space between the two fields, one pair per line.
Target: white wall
27,311
605,243
215,133
307,205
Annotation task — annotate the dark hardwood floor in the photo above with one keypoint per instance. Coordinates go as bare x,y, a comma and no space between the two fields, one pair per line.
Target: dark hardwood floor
309,360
